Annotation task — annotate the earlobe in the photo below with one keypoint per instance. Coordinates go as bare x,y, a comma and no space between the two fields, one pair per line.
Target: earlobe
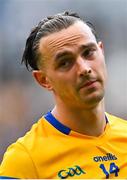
42,79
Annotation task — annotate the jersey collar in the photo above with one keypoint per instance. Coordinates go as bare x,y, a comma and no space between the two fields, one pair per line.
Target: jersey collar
58,125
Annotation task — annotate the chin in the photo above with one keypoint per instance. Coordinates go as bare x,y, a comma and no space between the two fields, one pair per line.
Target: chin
94,99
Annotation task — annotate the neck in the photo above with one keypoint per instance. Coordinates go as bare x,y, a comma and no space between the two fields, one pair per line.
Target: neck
90,122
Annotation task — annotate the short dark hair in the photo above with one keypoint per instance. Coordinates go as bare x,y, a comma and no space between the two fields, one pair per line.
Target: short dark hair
46,27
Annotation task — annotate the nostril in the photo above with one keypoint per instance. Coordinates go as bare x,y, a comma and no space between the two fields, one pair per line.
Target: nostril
86,72
89,71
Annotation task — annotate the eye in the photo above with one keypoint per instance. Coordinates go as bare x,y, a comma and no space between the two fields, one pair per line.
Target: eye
65,63
89,53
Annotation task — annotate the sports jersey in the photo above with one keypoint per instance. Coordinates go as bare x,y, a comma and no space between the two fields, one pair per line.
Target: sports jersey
50,150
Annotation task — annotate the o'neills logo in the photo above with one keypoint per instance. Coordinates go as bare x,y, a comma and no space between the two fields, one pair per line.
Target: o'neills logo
108,157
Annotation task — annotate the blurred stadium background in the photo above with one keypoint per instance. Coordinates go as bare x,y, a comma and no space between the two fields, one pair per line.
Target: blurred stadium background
22,101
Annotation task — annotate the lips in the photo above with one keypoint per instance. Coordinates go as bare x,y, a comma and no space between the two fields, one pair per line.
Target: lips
88,83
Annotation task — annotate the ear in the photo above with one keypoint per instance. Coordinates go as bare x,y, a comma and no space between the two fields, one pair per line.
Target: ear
42,79
100,44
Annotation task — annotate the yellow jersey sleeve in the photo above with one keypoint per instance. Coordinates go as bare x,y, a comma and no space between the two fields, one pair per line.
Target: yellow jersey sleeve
17,163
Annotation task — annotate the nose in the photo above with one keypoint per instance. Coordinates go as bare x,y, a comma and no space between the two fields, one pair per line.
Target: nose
84,68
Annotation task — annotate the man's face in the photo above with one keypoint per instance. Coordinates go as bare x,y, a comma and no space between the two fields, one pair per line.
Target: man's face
74,66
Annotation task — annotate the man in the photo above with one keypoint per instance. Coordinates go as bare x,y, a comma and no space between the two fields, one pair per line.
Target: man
76,139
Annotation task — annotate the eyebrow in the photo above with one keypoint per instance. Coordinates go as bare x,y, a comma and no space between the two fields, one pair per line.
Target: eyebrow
88,45
64,53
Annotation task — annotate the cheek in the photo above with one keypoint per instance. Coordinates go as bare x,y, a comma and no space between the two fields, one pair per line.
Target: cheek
58,83
103,71
63,84
64,90
100,68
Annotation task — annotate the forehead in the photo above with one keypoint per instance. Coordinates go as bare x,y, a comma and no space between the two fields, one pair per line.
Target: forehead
76,35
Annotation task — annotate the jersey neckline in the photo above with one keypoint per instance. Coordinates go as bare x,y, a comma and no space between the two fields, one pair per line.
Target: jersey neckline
59,126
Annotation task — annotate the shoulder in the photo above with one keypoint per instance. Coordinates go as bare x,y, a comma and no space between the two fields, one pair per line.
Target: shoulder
116,118
18,155
117,123
39,134
36,136
15,161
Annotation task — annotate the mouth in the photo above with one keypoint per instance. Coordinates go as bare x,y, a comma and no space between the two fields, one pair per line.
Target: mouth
89,84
